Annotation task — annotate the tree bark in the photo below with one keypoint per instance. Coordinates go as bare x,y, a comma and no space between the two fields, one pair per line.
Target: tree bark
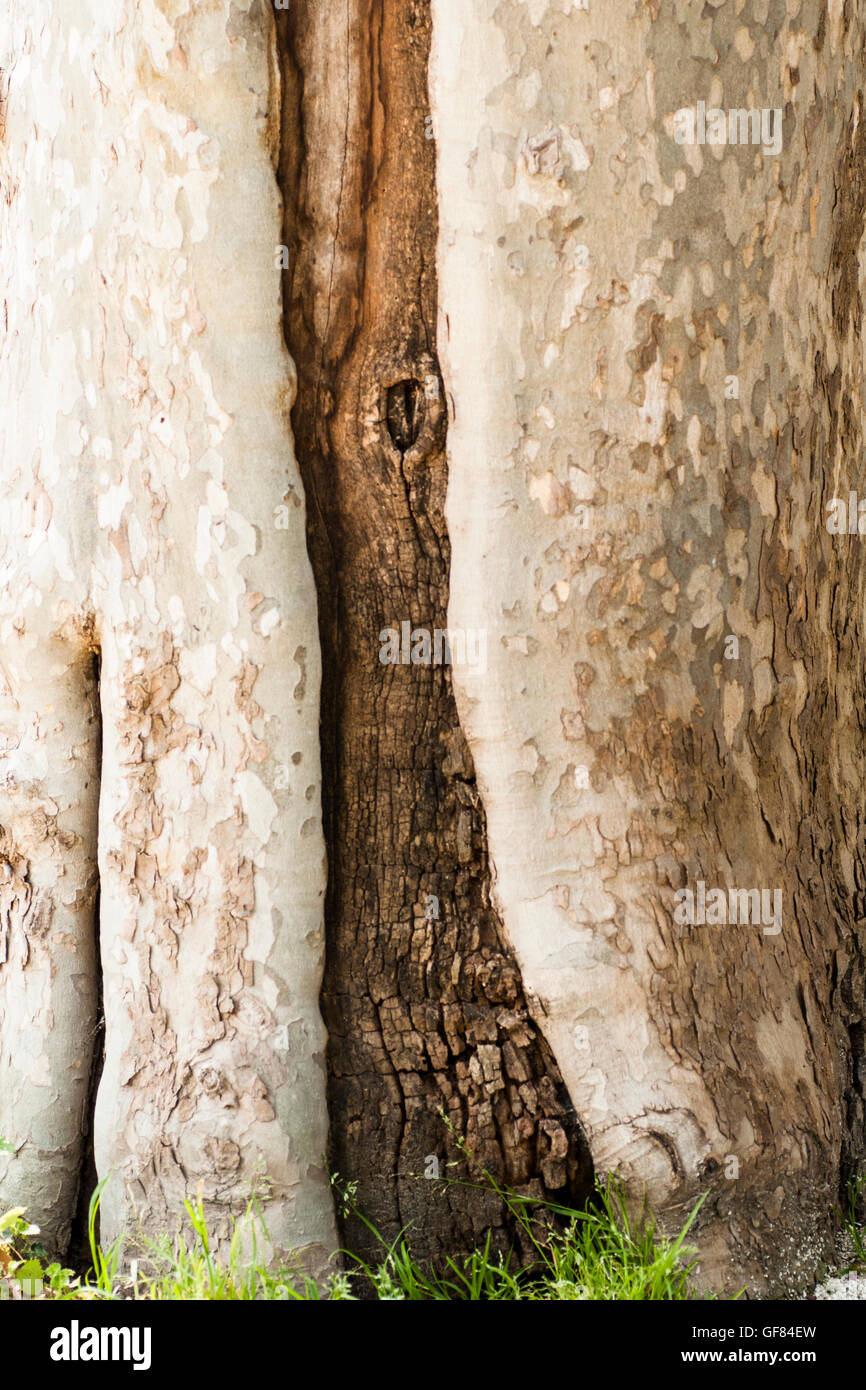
423,1000
155,516
564,379
616,514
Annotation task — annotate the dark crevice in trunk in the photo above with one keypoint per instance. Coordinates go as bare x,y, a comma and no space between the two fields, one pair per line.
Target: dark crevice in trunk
422,997
78,1252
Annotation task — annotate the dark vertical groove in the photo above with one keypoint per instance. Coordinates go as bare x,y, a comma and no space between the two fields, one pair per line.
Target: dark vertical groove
79,1249
425,1013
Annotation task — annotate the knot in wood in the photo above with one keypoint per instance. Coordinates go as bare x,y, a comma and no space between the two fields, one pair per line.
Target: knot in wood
405,412
412,411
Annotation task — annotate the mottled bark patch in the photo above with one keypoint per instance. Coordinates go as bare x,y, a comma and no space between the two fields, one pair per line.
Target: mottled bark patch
655,350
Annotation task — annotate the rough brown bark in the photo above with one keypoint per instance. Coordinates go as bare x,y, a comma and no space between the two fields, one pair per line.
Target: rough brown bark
422,1014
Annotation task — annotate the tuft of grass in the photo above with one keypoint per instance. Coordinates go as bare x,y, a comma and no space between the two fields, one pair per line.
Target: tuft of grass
105,1262
183,1269
850,1217
599,1253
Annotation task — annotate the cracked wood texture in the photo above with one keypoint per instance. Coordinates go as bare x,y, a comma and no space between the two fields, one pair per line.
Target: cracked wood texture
656,356
424,1013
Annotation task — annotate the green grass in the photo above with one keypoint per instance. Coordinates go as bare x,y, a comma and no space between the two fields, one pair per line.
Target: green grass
598,1253
851,1220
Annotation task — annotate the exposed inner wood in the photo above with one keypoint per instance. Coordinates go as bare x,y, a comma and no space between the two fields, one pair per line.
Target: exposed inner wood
423,998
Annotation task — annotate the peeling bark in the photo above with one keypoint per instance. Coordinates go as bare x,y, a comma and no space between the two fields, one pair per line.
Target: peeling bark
49,726
616,513
146,453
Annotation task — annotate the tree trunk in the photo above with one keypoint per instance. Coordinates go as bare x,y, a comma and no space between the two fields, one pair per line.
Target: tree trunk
655,355
423,1000
154,515
575,382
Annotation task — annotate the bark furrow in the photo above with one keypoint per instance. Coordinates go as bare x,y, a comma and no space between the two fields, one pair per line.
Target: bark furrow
423,999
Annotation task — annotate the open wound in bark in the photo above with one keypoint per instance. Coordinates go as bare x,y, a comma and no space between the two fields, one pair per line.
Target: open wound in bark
425,1009
405,408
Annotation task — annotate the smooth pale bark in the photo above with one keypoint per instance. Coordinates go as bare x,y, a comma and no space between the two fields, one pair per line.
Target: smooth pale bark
146,448
615,515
